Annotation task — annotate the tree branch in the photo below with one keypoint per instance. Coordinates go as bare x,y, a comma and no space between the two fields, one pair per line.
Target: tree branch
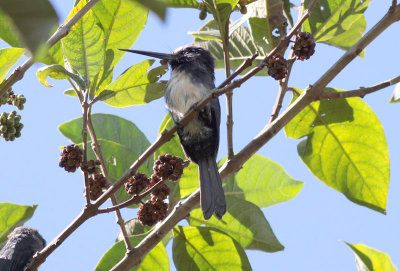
229,94
61,32
85,109
361,92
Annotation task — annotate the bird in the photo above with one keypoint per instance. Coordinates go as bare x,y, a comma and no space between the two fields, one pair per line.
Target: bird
23,243
192,79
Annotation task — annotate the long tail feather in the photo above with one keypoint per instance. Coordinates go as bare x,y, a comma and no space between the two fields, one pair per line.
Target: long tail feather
212,195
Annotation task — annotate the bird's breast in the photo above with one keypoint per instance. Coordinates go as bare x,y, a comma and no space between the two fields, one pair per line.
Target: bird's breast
182,93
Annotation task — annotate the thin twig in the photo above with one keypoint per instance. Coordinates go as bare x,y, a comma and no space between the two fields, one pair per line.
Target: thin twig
99,155
85,109
283,84
361,92
134,200
61,32
229,94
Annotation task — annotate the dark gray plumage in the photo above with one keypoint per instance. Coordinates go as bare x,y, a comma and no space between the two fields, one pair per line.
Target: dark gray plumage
191,80
18,252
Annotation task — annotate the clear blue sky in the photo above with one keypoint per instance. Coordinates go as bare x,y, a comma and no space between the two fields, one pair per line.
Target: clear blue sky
310,226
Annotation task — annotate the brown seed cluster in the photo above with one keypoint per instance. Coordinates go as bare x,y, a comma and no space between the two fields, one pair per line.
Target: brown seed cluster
71,158
152,211
304,46
169,167
137,183
91,167
96,184
277,67
160,192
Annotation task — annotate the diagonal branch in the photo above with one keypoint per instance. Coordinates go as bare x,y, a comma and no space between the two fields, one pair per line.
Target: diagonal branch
361,92
61,32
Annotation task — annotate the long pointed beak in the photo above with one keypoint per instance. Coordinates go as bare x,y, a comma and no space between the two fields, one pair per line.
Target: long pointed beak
152,54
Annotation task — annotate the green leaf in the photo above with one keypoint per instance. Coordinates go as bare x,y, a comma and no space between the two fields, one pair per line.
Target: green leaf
157,6
70,92
121,144
8,31
182,3
262,182
156,259
221,10
137,85
33,21
345,148
396,94
84,45
135,228
267,23
339,23
244,222
54,55
8,57
241,47
57,72
369,259
11,216
122,22
203,248
189,181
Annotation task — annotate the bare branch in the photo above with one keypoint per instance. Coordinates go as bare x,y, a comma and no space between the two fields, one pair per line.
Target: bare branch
361,92
229,94
61,32
85,109
99,155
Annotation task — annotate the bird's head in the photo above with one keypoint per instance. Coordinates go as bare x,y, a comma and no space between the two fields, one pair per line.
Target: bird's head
183,57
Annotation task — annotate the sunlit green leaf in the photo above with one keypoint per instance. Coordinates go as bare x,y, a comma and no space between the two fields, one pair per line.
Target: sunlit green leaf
369,259
56,72
203,248
156,259
122,22
8,57
267,23
84,45
262,182
11,216
345,148
244,222
32,20
121,144
182,3
137,85
339,23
